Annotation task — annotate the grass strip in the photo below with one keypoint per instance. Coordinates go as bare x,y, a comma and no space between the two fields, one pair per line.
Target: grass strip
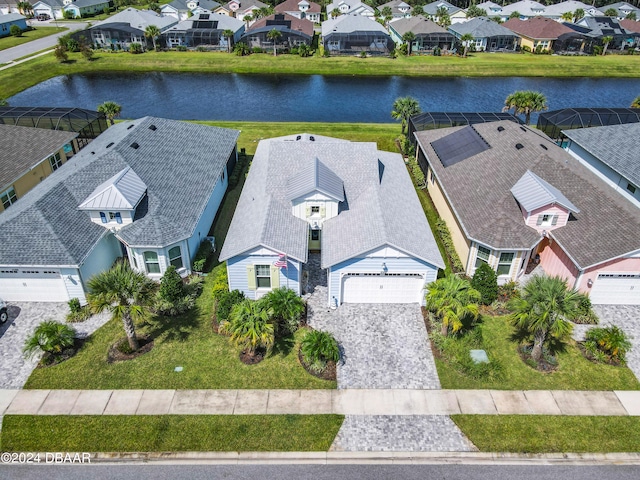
159,433
551,434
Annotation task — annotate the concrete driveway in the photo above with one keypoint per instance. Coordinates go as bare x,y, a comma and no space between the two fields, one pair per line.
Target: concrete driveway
24,317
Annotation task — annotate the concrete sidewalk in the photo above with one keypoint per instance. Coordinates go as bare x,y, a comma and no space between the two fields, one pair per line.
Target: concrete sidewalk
308,402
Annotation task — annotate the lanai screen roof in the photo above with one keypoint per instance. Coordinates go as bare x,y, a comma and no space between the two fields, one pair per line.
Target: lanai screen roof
552,123
433,120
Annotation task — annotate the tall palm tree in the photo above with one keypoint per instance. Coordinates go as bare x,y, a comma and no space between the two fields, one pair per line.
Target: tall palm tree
409,38
387,14
527,102
228,34
110,110
404,108
567,16
285,308
606,40
153,33
442,14
578,15
610,12
274,35
466,40
249,326
125,293
636,102
417,10
453,300
542,309
247,20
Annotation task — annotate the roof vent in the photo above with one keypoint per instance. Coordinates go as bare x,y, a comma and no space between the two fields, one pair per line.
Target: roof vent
519,146
134,145
501,128
544,146
298,137
108,146
523,129
312,138
93,153
130,127
153,127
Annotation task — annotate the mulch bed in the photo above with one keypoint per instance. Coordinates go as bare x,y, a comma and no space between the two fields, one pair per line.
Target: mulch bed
49,360
543,366
252,358
329,373
116,355
589,357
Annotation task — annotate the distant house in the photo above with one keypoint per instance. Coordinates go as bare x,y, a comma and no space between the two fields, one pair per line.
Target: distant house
541,34
181,9
556,11
488,36
240,8
493,9
294,31
7,21
146,189
351,34
630,25
428,34
51,8
623,9
355,7
526,9
611,152
9,6
302,9
29,155
85,8
349,201
204,30
124,28
596,28
456,14
399,8
516,201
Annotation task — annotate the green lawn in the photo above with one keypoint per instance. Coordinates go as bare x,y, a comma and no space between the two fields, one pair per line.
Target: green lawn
33,72
169,433
28,36
574,371
551,434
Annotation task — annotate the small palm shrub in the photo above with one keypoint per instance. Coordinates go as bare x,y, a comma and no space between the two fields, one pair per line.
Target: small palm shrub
584,312
77,312
248,327
318,348
508,291
485,281
607,344
285,309
49,337
135,48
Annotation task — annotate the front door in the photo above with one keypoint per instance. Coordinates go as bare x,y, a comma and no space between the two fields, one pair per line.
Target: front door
314,240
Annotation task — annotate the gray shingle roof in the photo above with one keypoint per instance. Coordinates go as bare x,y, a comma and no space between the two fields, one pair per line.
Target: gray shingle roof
376,212
87,3
179,162
351,23
478,189
315,175
224,22
139,19
11,17
419,25
481,27
432,8
533,192
24,147
618,146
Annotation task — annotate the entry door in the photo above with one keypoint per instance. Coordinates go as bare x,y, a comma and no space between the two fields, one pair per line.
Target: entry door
315,239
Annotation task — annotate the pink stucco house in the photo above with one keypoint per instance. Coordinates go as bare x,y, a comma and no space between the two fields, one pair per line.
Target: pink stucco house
514,199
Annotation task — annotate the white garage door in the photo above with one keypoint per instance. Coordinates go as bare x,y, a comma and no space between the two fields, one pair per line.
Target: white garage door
616,289
389,288
32,286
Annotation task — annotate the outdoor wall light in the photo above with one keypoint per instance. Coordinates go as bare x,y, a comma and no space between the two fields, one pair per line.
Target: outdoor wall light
589,283
384,268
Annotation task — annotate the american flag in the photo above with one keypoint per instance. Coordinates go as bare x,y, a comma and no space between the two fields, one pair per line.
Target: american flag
281,262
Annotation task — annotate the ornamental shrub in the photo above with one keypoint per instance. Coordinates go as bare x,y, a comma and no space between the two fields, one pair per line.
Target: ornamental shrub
15,30
202,255
226,302
485,281
607,344
171,286
49,337
318,348
135,48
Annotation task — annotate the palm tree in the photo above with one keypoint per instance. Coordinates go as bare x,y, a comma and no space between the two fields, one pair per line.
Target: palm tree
466,40
110,110
317,348
285,308
334,13
453,300
387,14
527,102
49,337
228,34
442,14
249,326
4,103
417,10
610,12
409,37
473,11
631,16
248,19
606,40
636,102
153,33
567,16
274,35
578,15
127,294
24,7
542,310
404,108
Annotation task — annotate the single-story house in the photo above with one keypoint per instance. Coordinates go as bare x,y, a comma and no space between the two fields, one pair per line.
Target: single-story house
9,6
29,155
623,10
124,28
596,28
515,200
456,14
493,9
351,34
51,8
631,25
181,9
488,36
526,9
294,31
301,9
613,153
556,10
7,21
354,7
429,34
146,189
351,202
85,8
544,34
399,8
204,29
240,8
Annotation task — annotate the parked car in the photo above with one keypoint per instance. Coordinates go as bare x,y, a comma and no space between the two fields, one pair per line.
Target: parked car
4,316
42,17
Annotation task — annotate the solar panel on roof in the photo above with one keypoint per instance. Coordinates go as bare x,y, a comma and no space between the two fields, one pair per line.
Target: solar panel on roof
459,146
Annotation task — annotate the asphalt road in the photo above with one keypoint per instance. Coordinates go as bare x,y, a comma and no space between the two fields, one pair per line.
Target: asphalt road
319,472
11,54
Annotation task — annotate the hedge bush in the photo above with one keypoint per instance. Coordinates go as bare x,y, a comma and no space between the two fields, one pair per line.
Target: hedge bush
447,241
485,281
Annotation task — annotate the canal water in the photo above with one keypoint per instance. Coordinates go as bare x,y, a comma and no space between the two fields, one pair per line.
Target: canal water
313,98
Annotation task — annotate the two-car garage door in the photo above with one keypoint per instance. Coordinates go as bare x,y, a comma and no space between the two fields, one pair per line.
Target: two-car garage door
36,285
616,289
377,288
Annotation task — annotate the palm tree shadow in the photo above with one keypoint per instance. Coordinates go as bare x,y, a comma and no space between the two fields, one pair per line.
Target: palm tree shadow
521,335
284,345
177,328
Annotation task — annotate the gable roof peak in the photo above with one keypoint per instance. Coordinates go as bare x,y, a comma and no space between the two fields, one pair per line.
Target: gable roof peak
123,191
533,192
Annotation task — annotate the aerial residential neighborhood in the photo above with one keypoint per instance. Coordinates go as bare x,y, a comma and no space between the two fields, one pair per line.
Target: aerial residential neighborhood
397,239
